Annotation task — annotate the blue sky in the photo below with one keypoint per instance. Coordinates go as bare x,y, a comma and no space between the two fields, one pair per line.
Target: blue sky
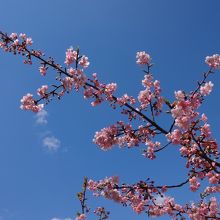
37,184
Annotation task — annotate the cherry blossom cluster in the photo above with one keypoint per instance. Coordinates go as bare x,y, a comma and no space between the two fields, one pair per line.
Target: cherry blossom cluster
28,103
146,197
99,91
151,95
123,134
143,58
203,211
74,77
101,213
139,196
68,78
188,129
16,44
200,150
213,61
210,190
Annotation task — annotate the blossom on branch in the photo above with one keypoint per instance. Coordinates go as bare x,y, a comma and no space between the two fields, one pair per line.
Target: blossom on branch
213,61
143,58
71,56
188,130
28,103
207,88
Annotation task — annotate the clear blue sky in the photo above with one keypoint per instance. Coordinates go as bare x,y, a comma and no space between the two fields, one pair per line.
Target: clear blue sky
37,184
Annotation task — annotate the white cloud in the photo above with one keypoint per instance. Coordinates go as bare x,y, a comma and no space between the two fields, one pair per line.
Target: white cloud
159,200
52,144
61,219
41,117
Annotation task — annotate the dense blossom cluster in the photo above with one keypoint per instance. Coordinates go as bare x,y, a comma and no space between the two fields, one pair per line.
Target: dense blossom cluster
123,134
146,197
204,210
143,58
106,138
213,61
71,56
188,129
206,89
151,94
102,213
28,103
42,91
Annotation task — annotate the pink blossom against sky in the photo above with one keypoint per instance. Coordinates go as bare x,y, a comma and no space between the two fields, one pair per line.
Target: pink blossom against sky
42,164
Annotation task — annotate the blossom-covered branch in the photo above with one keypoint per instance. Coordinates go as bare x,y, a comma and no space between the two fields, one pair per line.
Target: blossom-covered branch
188,129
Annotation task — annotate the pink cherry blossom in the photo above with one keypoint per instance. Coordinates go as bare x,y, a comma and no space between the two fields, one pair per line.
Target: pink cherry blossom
147,81
72,71
16,42
125,99
212,189
194,184
106,138
88,93
175,136
207,88
79,79
150,153
67,83
213,178
205,130
42,91
213,61
110,89
28,103
145,97
188,130
204,117
180,96
71,56
43,70
84,61
22,36
213,207
29,41
143,58
13,36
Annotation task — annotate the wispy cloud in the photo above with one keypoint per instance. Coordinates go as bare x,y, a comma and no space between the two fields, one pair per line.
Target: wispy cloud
41,117
159,200
52,144
61,219
49,141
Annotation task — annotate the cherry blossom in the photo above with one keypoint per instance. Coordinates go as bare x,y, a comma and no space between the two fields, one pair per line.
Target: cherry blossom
206,89
106,137
42,91
43,70
84,61
187,130
71,56
194,184
28,103
213,61
143,58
